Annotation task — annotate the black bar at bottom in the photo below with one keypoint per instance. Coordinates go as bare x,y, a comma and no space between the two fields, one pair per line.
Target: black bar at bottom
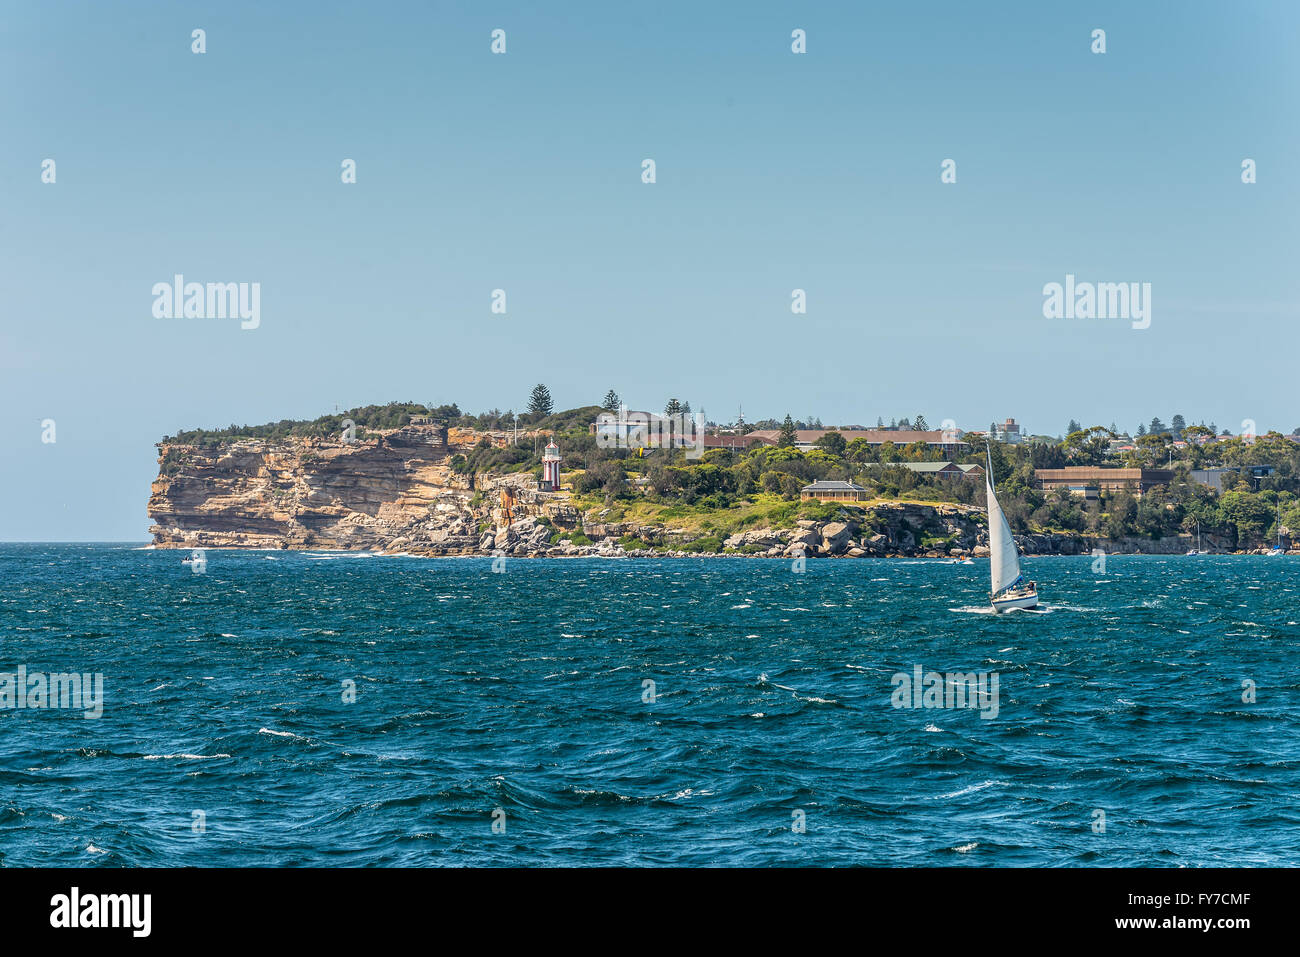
331,907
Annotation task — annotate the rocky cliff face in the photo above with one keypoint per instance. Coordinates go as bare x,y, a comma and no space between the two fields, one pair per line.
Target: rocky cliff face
399,493
394,493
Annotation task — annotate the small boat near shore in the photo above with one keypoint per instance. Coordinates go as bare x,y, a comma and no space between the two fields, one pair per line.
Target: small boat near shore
1278,549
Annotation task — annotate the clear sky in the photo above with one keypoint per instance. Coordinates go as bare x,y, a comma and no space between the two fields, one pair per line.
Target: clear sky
522,172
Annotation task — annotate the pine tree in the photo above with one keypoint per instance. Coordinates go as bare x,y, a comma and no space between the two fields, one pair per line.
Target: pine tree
686,408
1156,426
920,424
1073,427
673,407
788,436
1142,429
539,402
1176,425
612,401
880,423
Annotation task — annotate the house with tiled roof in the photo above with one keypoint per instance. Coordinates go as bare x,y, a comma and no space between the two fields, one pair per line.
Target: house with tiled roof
833,491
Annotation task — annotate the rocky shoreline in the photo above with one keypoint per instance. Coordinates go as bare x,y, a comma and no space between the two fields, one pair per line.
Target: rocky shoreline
399,493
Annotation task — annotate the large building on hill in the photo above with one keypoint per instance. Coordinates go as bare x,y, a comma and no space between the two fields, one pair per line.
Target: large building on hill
1089,480
949,442
1009,432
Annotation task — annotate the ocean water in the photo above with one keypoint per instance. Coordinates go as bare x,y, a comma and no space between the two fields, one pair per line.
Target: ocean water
519,698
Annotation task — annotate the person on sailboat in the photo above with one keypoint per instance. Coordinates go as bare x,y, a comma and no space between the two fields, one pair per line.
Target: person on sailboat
1019,587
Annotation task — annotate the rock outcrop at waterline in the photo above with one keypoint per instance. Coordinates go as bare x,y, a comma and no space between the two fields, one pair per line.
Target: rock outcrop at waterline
398,493
385,493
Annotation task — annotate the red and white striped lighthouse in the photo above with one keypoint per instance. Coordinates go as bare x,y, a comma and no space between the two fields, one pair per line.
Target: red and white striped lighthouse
551,468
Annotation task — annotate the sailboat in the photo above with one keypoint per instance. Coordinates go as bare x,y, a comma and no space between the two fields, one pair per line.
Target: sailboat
1009,588
1197,549
1278,549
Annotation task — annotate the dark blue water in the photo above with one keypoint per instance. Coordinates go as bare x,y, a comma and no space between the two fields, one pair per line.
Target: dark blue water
521,693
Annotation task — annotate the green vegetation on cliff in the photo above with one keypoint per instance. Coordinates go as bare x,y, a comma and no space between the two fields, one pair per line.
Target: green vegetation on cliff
390,416
726,491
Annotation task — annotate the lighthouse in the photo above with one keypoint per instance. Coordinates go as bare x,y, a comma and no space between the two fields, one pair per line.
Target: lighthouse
551,468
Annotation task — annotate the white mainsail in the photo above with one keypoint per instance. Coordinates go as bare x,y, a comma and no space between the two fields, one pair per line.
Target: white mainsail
1003,557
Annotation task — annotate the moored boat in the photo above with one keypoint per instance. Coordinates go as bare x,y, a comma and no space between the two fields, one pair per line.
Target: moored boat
1278,549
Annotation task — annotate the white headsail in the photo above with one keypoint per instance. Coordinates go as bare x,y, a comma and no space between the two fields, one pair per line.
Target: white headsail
1003,558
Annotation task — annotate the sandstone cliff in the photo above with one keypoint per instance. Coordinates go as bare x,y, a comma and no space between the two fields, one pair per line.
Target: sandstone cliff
396,491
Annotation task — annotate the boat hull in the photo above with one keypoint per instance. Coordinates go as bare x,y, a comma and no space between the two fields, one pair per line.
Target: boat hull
1018,601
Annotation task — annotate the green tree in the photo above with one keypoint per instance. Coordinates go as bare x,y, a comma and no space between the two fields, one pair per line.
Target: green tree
788,436
606,476
1073,427
860,450
920,424
790,486
1248,513
673,407
1121,514
1156,426
833,442
1153,446
612,401
539,401
1177,425
1087,446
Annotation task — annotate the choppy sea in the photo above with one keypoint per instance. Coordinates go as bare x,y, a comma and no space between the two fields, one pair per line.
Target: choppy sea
348,709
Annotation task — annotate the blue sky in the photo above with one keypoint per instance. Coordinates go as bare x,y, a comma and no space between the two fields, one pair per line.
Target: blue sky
775,171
